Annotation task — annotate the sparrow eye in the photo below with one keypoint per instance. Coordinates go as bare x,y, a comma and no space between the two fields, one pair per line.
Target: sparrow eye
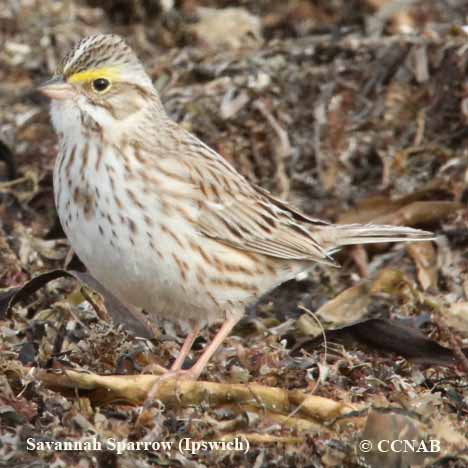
101,85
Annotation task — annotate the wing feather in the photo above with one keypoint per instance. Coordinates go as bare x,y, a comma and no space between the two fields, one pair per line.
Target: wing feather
233,211
229,209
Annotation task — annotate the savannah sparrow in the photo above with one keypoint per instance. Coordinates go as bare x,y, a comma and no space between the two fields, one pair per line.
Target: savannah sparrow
158,217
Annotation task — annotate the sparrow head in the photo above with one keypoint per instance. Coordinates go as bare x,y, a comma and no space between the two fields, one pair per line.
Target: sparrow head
100,80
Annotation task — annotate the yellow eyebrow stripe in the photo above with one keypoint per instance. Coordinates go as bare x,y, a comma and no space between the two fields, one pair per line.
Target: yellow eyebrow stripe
90,75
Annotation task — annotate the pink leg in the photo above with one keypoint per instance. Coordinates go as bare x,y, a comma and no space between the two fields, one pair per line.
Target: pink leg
223,332
186,347
199,366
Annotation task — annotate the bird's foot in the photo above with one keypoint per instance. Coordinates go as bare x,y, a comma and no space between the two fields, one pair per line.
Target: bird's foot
154,368
185,374
168,374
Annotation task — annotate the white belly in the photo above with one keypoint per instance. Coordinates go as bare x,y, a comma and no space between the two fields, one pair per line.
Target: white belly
146,253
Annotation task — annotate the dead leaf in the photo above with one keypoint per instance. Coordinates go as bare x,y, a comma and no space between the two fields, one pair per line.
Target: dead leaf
456,317
410,210
345,316
387,426
228,27
133,320
425,257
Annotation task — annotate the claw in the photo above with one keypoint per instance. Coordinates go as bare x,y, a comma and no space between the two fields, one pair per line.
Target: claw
169,374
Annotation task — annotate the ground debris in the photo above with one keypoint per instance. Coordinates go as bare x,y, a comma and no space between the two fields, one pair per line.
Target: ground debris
352,111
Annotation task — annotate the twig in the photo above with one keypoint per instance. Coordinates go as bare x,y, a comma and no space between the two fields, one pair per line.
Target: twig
314,317
134,389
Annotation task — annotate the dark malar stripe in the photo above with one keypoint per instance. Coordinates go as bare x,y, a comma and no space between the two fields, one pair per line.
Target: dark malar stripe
84,157
60,162
100,154
71,158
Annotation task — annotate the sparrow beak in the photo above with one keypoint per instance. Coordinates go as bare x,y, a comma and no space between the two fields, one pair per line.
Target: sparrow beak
57,88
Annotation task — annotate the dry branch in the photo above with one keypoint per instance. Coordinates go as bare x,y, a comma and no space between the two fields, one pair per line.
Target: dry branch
104,389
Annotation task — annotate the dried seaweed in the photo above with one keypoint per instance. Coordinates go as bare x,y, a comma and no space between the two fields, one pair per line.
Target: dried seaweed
353,111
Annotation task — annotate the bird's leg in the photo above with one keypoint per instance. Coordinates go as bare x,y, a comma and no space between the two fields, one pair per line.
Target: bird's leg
183,353
223,332
186,347
197,369
176,369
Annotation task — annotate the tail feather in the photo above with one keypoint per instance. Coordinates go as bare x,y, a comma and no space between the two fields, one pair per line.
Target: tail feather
335,236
